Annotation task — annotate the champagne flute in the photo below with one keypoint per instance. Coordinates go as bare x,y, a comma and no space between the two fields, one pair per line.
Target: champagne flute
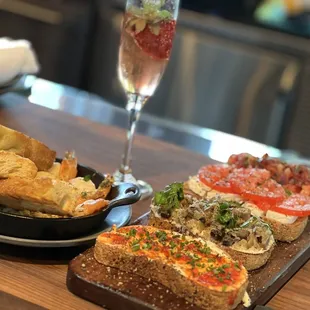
146,42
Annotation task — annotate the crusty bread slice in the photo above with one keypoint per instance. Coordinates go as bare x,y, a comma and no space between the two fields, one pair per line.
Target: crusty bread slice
250,260
282,232
141,249
287,232
20,144
13,165
52,196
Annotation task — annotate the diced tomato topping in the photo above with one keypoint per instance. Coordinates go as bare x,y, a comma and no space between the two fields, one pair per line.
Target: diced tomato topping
295,205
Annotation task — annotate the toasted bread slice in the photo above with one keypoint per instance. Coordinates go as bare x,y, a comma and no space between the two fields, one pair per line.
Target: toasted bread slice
20,144
192,268
53,196
282,232
287,232
250,260
13,165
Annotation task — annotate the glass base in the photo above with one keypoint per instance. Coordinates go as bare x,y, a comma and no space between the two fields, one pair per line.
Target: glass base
145,188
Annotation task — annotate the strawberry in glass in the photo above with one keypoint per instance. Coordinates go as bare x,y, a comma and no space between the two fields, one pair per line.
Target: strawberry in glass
146,44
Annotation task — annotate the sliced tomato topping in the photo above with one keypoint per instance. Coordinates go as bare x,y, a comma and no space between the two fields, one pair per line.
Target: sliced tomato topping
255,185
222,186
269,192
243,180
265,206
295,205
209,175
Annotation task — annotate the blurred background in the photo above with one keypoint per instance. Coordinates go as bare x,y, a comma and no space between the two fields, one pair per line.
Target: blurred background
238,66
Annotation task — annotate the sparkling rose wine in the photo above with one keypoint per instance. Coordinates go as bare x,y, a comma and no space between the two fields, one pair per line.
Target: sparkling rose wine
144,53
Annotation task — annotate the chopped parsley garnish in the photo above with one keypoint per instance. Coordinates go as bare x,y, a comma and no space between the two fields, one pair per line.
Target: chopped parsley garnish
169,199
178,255
87,178
288,192
237,265
161,235
136,241
175,236
84,194
225,216
148,236
224,288
147,246
218,270
132,232
172,245
205,250
135,247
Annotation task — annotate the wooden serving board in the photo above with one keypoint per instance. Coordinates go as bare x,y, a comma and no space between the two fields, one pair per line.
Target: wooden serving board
113,289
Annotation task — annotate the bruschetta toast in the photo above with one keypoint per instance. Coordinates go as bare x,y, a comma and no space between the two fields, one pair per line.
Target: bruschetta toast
228,224
196,270
257,189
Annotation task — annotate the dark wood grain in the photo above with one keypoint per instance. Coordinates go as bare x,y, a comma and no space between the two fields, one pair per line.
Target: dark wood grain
26,273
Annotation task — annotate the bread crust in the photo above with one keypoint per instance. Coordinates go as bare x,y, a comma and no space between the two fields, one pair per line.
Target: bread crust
287,232
13,165
20,144
156,269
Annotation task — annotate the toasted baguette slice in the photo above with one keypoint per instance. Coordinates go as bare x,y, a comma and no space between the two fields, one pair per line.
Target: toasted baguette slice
183,264
20,144
282,232
53,196
250,260
12,165
287,232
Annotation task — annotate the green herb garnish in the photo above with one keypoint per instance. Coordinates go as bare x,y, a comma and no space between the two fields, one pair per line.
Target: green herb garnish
151,11
148,236
84,194
87,178
135,247
205,250
146,246
161,235
169,199
288,192
132,232
225,216
172,245
224,288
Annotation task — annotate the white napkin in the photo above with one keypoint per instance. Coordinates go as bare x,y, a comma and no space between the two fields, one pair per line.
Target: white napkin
16,57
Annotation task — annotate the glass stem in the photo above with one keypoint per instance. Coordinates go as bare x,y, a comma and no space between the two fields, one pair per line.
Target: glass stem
134,107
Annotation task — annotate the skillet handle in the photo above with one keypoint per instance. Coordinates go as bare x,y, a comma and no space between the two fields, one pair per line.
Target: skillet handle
125,194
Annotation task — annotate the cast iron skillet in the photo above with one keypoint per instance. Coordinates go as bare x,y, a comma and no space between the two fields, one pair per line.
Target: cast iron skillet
68,228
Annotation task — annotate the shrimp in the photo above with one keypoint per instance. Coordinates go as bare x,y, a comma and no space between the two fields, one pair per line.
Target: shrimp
68,167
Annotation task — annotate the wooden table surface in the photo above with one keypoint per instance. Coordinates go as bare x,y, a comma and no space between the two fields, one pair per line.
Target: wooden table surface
35,278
